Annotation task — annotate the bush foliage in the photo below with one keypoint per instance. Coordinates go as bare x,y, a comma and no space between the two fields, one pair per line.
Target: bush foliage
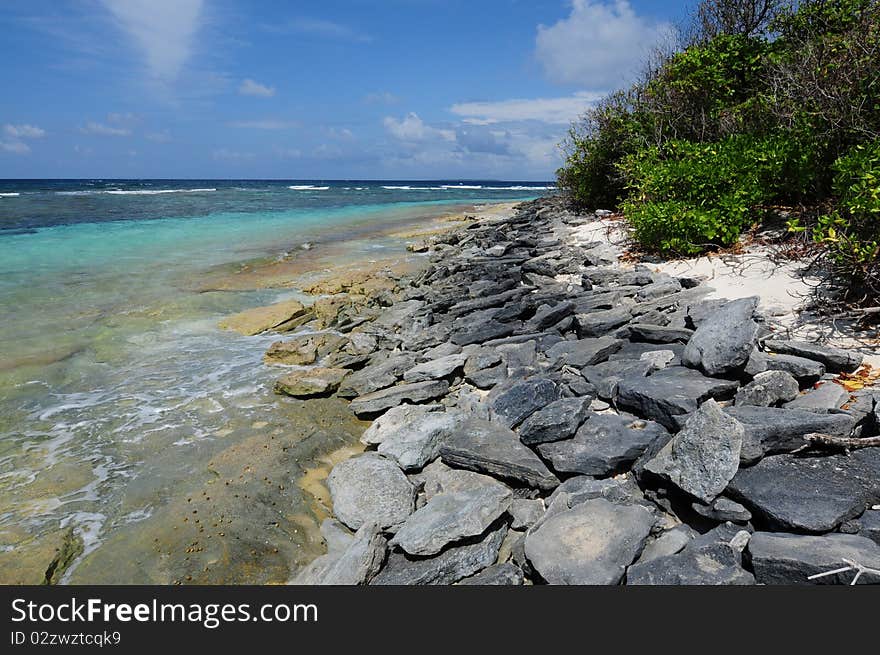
767,102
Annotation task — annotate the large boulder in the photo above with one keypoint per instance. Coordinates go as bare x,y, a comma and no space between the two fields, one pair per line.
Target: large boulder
450,517
809,494
704,456
488,447
724,341
605,443
787,559
370,489
590,544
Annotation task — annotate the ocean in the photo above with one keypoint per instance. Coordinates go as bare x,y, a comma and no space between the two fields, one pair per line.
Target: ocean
117,389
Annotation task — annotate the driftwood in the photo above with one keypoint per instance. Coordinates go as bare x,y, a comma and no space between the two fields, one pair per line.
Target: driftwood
816,439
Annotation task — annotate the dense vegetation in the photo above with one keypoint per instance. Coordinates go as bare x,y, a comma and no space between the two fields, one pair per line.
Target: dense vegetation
765,103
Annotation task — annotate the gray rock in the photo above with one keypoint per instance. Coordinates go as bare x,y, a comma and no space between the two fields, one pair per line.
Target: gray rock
397,421
704,456
370,488
869,524
525,512
311,382
515,403
768,388
417,442
698,313
600,323
558,420
809,494
488,377
549,315
724,341
723,509
805,371
489,447
416,392
507,574
658,359
438,478
452,516
450,566
356,564
518,355
620,489
786,559
670,542
443,350
659,289
589,544
671,392
607,376
658,333
479,358
583,352
605,443
835,360
709,564
436,369
481,332
376,376
772,430
827,397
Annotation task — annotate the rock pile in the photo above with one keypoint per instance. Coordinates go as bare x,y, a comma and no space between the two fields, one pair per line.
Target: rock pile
545,414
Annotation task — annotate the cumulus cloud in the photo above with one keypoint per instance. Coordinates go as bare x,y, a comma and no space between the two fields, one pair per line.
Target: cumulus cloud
413,129
15,136
547,110
163,30
251,87
15,147
599,46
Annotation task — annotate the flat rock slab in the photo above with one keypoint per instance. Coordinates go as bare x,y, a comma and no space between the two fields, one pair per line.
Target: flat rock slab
589,544
417,392
707,564
376,376
370,489
669,393
724,341
805,371
809,494
583,352
311,382
436,369
600,323
558,420
787,559
770,430
704,456
448,567
482,332
515,403
489,447
607,376
835,360
507,574
260,319
450,517
605,443
827,397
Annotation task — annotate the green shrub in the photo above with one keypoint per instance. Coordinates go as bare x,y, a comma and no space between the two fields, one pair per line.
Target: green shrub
852,231
686,197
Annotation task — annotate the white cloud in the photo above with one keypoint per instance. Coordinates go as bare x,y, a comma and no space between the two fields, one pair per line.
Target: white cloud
163,30
251,87
23,131
264,124
599,46
325,29
382,98
15,147
547,110
413,129
102,129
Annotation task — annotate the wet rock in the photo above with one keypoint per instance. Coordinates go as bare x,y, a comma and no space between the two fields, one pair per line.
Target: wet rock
809,494
558,420
507,574
370,488
592,543
600,323
704,456
379,375
416,392
724,341
436,369
260,319
450,566
605,443
669,393
302,350
583,352
308,383
805,371
491,448
357,563
835,360
723,509
452,516
827,397
768,388
786,559
515,403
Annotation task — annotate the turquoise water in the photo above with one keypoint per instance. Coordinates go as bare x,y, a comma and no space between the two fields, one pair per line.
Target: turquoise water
115,382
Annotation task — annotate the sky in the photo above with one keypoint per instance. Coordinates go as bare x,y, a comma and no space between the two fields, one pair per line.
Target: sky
330,89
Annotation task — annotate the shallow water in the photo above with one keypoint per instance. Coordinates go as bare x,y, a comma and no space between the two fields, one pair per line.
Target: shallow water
118,393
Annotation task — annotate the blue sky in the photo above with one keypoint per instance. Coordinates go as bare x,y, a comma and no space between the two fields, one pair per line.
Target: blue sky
402,89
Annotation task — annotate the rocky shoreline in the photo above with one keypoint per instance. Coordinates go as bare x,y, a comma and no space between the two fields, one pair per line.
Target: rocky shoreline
544,412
